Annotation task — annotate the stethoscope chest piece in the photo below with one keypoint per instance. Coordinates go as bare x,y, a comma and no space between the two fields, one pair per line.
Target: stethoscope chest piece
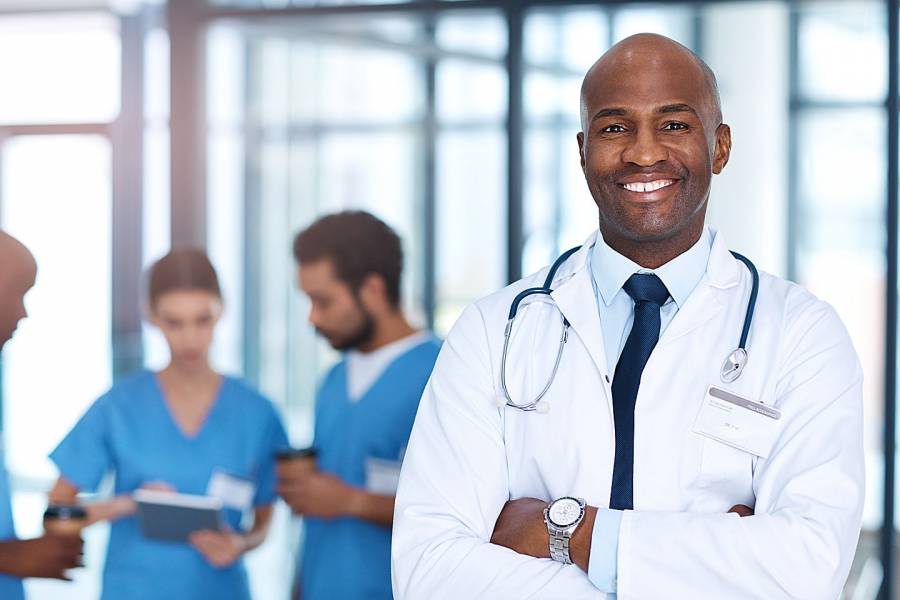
734,365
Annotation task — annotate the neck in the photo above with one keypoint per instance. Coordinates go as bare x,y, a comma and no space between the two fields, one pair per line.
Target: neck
192,374
388,329
652,254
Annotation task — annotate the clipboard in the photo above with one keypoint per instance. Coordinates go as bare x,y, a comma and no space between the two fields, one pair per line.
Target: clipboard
172,517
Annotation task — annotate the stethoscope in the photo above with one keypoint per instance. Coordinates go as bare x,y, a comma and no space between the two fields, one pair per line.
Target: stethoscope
731,369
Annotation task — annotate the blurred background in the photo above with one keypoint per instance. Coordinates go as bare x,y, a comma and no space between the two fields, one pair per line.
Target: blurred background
128,127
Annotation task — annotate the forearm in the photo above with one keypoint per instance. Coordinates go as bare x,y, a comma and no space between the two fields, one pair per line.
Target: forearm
260,529
109,510
375,508
65,492
439,558
580,542
791,553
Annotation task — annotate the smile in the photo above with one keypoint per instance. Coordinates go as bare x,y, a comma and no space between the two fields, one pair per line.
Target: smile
648,186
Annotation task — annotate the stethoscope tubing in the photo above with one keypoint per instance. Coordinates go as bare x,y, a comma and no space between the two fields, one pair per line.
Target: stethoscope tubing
547,289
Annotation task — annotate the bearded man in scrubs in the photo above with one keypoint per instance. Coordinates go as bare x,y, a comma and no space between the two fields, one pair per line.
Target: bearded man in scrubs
51,555
349,266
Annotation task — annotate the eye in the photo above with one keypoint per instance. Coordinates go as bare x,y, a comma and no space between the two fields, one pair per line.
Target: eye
675,126
615,128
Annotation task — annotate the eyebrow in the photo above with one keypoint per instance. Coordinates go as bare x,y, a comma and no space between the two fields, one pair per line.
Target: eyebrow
662,110
676,108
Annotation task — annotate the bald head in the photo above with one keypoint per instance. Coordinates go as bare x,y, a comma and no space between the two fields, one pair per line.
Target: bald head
652,138
643,54
17,274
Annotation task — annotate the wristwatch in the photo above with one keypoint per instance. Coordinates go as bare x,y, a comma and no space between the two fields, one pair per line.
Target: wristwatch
562,517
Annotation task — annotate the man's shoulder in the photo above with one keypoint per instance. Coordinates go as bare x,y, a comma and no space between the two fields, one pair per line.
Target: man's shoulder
806,323
503,298
791,299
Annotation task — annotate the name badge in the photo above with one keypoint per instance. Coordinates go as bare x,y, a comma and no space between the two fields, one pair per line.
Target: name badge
234,492
382,476
738,422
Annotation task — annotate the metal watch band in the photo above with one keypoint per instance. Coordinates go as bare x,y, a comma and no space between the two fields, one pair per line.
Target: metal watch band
559,546
559,536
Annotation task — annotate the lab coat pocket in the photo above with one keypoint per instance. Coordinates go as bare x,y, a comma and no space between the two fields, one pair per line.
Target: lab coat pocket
726,475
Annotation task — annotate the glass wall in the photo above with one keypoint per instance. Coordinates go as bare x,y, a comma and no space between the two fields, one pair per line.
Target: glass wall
405,113
839,198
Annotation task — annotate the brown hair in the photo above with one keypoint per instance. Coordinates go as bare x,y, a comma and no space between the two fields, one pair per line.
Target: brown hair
182,269
358,244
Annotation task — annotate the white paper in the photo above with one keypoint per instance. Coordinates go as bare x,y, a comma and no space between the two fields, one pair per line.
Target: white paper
739,422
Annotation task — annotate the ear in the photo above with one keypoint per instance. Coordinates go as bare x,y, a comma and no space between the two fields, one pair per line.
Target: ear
580,138
722,150
218,311
373,292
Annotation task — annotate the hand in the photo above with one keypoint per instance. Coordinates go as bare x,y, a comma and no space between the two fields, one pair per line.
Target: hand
220,548
521,528
318,494
46,557
742,510
158,486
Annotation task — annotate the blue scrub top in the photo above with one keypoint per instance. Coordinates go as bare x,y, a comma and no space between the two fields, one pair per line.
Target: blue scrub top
10,587
346,558
131,432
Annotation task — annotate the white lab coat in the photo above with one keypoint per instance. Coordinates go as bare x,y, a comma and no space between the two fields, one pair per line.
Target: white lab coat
467,457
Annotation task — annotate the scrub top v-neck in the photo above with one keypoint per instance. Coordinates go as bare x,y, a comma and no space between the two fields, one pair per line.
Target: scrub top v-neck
130,432
209,416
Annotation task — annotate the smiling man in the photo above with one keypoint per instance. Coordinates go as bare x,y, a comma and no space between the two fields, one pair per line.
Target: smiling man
688,428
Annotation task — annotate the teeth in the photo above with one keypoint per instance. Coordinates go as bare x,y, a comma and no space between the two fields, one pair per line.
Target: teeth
650,186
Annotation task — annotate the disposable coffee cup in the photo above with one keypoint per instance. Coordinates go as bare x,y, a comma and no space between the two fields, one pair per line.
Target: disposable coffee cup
64,519
293,462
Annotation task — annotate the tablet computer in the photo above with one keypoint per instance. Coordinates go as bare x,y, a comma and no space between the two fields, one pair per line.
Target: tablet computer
171,517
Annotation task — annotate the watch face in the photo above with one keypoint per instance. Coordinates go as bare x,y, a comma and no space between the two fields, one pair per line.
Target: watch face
564,512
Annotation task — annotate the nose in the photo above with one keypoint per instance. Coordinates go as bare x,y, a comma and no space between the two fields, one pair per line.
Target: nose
313,317
645,149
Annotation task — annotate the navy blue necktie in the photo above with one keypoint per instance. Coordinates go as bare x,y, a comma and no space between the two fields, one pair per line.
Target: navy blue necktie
649,294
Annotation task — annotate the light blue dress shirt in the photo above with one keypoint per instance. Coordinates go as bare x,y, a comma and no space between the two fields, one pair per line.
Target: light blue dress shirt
609,272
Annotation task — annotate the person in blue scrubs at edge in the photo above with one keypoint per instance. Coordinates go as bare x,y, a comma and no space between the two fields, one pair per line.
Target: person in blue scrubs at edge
187,429
350,265
51,555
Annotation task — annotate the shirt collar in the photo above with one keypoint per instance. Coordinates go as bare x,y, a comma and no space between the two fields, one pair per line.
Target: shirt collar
610,270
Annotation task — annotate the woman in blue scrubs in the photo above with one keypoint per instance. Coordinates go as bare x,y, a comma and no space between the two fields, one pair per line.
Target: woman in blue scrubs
188,429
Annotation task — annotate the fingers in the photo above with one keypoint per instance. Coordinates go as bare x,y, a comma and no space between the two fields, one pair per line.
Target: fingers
291,485
217,548
160,486
294,495
741,510
69,552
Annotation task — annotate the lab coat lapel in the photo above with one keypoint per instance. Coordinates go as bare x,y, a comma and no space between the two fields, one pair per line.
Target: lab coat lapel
706,301
578,302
